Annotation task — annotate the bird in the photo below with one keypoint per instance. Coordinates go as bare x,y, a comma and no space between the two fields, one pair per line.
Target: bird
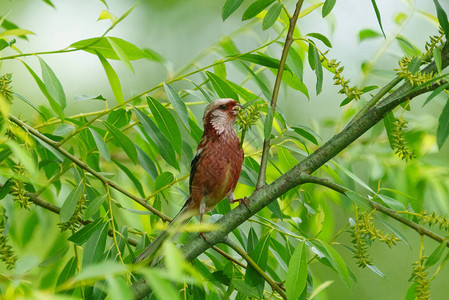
214,170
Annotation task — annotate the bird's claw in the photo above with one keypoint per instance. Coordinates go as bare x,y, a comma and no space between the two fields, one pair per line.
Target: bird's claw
244,200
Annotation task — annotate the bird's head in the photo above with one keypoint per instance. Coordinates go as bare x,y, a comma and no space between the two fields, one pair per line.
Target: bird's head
221,114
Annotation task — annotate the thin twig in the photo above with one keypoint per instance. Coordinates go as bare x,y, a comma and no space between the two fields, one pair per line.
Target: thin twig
277,85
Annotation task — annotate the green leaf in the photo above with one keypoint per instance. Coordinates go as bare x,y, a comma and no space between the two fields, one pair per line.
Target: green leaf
335,259
112,78
272,15
255,8
101,145
268,125
55,106
177,103
94,206
309,9
133,178
320,37
327,7
163,180
306,132
69,205
436,254
437,59
263,87
436,92
118,289
414,65
262,60
162,288
101,270
318,71
223,89
392,203
82,235
5,154
166,149
146,163
376,10
6,187
122,140
411,292
55,257
16,32
63,130
443,126
260,257
95,245
358,199
49,3
244,288
229,7
408,47
367,34
121,54
166,123
389,125
52,84
297,273
294,60
106,15
442,18
103,46
68,271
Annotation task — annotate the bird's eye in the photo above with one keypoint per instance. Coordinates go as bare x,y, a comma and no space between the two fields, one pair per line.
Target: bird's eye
223,106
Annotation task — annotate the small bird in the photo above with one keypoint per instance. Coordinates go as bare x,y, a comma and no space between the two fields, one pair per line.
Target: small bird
215,168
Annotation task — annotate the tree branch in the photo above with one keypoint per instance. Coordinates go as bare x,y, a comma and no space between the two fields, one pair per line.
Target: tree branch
277,85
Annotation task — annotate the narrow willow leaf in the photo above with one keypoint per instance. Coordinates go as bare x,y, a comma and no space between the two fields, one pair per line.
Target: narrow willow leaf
268,125
68,271
244,288
163,180
306,132
122,140
161,287
255,8
327,7
318,71
101,145
49,3
146,163
166,123
336,261
408,47
118,289
177,103
272,15
392,203
320,37
166,149
95,245
223,89
112,78
437,59
260,257
23,156
6,188
103,46
358,199
52,83
106,15
443,126
63,130
133,178
297,273
16,32
367,34
436,92
294,60
121,54
311,56
309,9
69,206
230,7
100,270
442,18
354,177
376,270
376,10
262,60
435,256
94,206
55,106
55,257
82,235
263,87
389,125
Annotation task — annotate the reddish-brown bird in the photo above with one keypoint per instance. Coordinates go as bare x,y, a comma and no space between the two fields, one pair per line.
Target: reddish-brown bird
215,168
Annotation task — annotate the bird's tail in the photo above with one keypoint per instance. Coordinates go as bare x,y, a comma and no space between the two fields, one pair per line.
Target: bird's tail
183,217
